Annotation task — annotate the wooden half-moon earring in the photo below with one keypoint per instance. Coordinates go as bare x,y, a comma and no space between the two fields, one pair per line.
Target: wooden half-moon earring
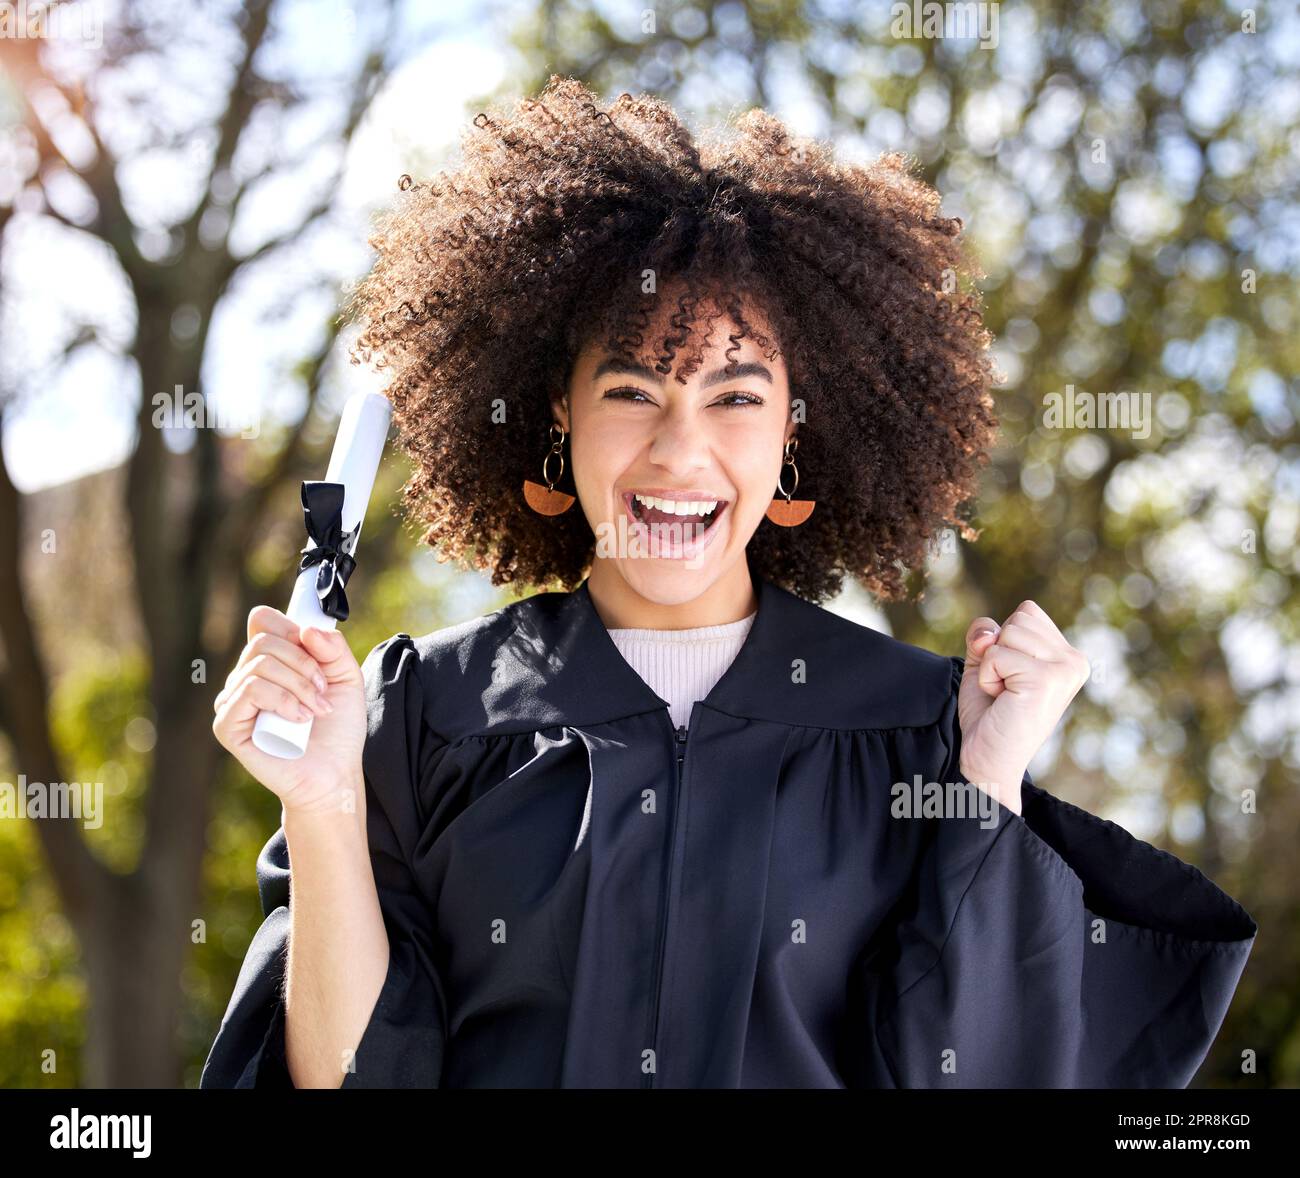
547,500
792,512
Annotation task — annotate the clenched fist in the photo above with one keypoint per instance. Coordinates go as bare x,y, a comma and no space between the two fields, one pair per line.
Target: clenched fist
1019,678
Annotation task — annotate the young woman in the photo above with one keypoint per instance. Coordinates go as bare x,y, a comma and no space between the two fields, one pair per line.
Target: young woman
672,824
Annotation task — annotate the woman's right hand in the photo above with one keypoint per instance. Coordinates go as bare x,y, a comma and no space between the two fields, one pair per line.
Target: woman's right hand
282,670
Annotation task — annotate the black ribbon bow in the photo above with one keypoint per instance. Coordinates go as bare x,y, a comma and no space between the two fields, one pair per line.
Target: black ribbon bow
330,546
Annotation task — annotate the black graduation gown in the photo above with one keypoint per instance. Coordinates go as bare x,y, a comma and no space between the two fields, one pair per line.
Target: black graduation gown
576,895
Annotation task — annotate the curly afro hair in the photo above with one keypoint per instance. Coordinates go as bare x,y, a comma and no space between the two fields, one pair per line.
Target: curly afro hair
490,278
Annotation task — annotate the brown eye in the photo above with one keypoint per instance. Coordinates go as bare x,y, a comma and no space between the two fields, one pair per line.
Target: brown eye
626,394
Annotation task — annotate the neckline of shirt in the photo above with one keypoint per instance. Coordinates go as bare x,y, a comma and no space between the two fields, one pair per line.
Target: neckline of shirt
694,634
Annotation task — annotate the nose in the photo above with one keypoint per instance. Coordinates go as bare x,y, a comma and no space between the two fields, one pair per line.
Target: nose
678,445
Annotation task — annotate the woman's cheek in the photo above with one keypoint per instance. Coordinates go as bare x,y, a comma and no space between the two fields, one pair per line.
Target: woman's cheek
597,483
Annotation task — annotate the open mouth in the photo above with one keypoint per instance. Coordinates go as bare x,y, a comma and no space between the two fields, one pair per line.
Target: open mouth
695,516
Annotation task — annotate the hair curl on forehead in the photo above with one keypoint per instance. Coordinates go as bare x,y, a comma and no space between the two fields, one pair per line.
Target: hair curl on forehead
565,222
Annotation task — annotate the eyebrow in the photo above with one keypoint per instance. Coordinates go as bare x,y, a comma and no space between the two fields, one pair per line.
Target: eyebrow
717,376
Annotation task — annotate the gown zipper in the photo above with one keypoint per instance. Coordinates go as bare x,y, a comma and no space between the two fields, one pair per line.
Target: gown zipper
680,734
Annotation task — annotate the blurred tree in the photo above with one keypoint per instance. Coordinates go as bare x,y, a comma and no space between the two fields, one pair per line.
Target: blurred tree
195,519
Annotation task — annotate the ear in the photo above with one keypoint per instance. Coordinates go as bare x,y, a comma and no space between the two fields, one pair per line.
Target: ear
560,411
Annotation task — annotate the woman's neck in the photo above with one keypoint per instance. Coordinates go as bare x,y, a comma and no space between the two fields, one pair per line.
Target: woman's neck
730,598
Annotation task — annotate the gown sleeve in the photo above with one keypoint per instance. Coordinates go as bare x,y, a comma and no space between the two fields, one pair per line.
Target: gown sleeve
402,1045
1051,950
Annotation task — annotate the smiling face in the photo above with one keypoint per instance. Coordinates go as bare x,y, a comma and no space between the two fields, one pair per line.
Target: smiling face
674,478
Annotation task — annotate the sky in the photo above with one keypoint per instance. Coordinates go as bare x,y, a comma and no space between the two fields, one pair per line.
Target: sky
76,417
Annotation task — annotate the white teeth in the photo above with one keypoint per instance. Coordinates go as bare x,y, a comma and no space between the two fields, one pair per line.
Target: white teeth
678,507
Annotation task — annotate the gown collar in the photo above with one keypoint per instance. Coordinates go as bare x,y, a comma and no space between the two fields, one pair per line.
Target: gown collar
549,660
621,685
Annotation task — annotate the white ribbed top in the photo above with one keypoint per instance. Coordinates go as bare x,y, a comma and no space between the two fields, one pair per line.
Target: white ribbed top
682,666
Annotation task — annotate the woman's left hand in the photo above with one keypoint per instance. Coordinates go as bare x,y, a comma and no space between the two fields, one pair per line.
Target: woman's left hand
1018,680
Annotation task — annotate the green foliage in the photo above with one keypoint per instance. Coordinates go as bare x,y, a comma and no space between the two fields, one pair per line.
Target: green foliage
100,720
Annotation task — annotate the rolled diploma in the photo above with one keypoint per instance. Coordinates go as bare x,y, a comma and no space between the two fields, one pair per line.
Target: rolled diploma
354,462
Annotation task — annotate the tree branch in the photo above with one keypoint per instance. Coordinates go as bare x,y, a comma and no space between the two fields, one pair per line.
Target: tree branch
242,97
77,873
362,93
